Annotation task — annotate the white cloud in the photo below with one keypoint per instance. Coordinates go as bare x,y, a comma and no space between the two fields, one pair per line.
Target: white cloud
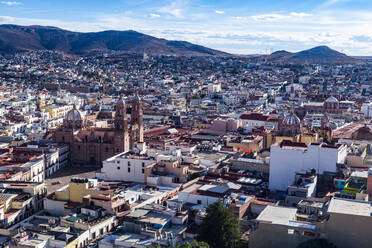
175,9
300,14
275,17
333,2
269,17
152,15
11,3
220,12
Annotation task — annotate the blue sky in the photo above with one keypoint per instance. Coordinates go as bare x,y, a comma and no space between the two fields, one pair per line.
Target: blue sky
236,26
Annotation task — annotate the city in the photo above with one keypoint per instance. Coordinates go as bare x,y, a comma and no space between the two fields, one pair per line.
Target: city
179,145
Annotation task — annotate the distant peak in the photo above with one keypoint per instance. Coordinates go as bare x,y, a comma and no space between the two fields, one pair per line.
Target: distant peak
280,52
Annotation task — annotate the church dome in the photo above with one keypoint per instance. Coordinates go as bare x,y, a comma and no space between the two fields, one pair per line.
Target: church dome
291,120
74,115
331,99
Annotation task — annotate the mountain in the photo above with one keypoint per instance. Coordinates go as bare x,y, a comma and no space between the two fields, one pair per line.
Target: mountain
316,55
14,38
279,55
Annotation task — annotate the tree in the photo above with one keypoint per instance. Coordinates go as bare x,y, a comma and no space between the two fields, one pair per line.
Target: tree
220,228
193,244
316,243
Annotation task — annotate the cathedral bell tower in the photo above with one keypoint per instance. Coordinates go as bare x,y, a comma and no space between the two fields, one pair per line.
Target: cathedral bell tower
136,122
121,127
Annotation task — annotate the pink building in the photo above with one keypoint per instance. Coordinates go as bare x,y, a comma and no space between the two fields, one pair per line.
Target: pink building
224,125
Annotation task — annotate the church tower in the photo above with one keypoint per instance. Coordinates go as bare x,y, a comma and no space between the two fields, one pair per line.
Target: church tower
136,122
121,139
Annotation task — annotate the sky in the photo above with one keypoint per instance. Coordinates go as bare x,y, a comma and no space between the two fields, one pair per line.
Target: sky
235,26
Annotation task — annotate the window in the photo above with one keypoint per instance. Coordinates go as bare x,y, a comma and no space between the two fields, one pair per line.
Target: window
78,148
118,162
128,169
106,149
199,201
118,167
143,171
143,164
128,163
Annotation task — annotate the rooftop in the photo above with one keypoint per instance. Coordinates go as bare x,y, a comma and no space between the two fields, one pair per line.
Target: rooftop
277,215
350,207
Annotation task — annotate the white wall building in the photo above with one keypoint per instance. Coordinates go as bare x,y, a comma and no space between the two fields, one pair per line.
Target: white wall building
367,109
289,158
248,121
125,167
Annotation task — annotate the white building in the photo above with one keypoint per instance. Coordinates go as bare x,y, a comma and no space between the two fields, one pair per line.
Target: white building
288,158
126,167
367,109
254,120
214,88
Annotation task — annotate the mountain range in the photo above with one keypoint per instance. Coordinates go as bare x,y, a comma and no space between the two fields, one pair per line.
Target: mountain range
316,55
14,38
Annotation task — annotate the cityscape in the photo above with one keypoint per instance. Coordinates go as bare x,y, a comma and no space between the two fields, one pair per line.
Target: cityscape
129,138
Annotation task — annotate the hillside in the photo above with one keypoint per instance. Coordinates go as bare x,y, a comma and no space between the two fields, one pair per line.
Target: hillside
316,55
14,38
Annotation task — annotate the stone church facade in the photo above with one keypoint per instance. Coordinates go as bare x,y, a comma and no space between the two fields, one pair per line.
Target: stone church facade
92,145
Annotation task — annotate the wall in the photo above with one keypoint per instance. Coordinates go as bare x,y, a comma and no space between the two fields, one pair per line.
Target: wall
77,191
118,169
193,198
55,208
270,235
285,163
348,230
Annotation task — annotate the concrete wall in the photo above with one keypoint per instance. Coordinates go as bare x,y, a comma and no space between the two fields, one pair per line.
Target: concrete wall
348,230
285,163
275,236
55,208
193,198
118,170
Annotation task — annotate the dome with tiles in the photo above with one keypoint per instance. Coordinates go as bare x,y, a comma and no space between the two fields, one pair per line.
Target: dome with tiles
74,115
332,99
291,120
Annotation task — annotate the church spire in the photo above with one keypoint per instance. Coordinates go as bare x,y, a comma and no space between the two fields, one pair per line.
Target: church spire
121,121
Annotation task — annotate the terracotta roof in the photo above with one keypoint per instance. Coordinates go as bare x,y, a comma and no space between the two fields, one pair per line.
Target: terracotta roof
254,116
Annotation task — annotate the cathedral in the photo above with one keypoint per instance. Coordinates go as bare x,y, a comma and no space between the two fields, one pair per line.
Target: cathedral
92,145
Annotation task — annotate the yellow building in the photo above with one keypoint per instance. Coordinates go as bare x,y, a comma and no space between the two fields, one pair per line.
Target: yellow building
77,189
57,111
301,138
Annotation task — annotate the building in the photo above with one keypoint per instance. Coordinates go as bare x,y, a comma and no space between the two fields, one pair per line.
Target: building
248,121
92,145
304,187
128,167
367,109
288,158
349,223
19,200
278,227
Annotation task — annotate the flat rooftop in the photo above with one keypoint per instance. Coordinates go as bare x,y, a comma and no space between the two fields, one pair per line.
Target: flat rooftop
350,207
277,215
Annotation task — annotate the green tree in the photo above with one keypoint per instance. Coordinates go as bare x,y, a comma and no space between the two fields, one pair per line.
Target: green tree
316,243
220,228
193,244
